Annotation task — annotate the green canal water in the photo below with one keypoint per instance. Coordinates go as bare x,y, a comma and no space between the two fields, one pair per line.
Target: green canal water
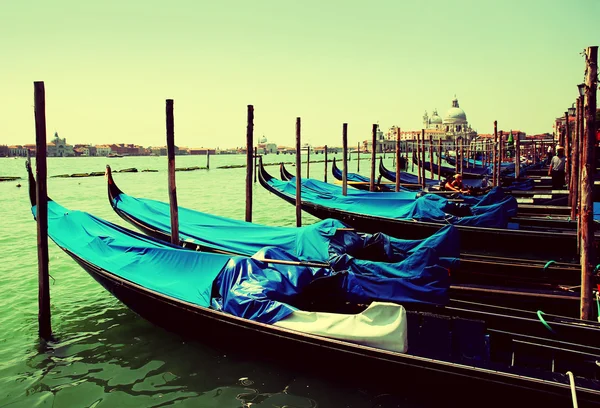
107,356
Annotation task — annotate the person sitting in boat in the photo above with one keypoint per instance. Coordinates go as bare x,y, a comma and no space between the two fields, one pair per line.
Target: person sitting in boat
557,169
456,184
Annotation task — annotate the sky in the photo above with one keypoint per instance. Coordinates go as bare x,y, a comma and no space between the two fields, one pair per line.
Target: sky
108,66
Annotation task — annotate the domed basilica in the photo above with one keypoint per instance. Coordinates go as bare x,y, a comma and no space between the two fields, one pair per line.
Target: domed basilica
452,126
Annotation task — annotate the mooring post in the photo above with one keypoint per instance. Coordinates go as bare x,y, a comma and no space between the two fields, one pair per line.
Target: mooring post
494,155
587,258
345,149
417,155
567,147
207,159
171,168
439,159
431,157
298,175
358,158
517,157
255,162
44,318
574,185
325,174
500,155
249,144
423,158
373,158
462,154
307,161
398,160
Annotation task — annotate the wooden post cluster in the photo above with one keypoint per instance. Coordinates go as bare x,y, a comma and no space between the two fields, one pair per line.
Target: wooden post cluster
41,194
494,154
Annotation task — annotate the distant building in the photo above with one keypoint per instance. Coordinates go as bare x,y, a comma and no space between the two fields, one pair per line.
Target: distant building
201,151
59,147
3,151
266,147
17,151
103,150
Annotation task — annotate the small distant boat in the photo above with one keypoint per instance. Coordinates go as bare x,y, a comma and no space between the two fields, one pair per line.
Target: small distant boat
113,155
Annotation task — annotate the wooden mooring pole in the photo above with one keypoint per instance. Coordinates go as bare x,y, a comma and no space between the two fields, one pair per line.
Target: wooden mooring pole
574,179
358,158
373,157
397,187
298,175
249,144
171,168
439,159
345,160
308,161
517,157
207,159
325,174
41,193
587,258
255,162
431,173
494,155
500,156
422,159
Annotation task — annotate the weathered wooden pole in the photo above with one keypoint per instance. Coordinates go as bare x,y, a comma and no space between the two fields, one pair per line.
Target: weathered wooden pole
417,155
500,155
358,157
587,258
431,157
255,164
373,156
494,155
207,159
579,169
439,159
41,194
567,147
345,149
517,156
574,185
413,155
307,161
298,175
171,160
422,159
462,155
249,144
398,160
325,174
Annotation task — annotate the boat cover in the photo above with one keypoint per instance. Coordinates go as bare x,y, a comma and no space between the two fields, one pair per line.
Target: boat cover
325,241
253,288
359,178
491,210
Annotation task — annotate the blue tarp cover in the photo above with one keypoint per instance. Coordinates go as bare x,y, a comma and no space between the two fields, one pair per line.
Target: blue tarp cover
491,210
405,270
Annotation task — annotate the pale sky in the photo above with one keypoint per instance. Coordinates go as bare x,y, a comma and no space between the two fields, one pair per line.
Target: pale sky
109,65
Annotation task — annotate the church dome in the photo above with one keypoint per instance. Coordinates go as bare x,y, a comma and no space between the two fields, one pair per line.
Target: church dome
455,114
263,139
435,119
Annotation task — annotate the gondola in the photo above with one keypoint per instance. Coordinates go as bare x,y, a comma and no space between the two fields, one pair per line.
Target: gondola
407,181
404,176
446,172
480,353
543,245
523,191
510,282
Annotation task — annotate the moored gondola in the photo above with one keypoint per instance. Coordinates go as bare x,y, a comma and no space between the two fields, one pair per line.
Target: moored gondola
480,352
522,283
543,245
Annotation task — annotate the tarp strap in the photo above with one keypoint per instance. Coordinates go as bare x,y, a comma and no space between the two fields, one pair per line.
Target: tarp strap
550,263
544,322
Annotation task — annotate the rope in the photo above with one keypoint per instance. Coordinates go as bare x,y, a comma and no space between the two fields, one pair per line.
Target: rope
551,263
572,384
544,322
